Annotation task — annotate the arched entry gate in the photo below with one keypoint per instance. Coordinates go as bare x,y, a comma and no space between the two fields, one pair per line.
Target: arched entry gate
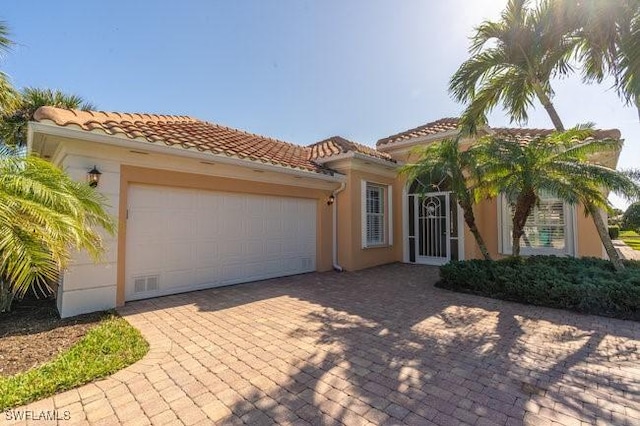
433,224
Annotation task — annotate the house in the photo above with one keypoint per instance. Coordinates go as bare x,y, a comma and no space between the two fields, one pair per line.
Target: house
200,205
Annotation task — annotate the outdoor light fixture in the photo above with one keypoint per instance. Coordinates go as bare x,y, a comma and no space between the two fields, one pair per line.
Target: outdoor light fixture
93,177
331,200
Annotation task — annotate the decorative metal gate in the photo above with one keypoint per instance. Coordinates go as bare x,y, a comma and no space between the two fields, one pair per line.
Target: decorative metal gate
433,230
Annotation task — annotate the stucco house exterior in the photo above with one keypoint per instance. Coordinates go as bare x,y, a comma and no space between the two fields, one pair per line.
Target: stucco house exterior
200,205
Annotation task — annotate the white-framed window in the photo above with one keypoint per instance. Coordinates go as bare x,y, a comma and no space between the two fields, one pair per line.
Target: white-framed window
376,214
549,228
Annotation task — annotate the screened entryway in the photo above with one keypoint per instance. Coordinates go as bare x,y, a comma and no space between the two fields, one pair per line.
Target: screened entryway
433,224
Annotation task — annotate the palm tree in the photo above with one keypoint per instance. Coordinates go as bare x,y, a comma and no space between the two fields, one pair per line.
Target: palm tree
512,62
527,48
606,37
557,164
7,92
43,214
14,121
446,159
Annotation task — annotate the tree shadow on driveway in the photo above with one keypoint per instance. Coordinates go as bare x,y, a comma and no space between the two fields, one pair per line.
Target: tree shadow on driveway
385,346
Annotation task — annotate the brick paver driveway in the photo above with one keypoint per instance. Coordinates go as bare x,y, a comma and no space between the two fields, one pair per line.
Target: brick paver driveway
381,346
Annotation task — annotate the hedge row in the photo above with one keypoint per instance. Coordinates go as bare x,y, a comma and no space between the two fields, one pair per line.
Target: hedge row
586,285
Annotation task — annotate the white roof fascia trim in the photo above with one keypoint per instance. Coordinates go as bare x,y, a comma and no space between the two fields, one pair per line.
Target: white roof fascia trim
376,160
357,156
143,144
342,156
413,141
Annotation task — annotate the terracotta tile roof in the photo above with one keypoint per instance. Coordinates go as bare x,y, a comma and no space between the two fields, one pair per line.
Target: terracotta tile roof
188,133
525,136
336,145
522,135
438,126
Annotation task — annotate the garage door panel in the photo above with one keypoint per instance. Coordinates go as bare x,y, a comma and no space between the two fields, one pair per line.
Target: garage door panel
232,230
272,266
206,252
232,250
255,249
148,197
208,202
184,199
233,203
255,207
205,276
178,254
181,228
274,227
181,239
257,228
176,278
146,260
233,273
144,223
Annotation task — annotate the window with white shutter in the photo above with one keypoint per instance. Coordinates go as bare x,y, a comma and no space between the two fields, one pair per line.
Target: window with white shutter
376,214
375,206
548,229
545,227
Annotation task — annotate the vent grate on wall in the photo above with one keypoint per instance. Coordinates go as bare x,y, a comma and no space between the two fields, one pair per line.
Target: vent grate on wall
145,283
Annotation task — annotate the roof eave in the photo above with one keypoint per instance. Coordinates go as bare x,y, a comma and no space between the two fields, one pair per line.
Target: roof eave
359,156
53,129
392,146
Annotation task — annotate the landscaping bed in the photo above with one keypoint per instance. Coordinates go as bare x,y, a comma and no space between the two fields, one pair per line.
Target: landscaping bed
586,285
41,354
33,334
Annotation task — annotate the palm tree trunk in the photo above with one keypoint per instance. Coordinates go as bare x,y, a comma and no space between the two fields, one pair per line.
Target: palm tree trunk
601,227
603,232
524,204
548,106
470,220
6,296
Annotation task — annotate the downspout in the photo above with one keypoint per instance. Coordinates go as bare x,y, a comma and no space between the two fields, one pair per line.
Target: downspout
335,226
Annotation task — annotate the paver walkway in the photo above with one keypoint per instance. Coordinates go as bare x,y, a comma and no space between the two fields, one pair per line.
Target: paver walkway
625,251
381,346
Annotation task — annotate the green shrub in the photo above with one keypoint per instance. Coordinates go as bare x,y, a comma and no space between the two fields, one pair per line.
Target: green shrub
631,217
586,285
614,232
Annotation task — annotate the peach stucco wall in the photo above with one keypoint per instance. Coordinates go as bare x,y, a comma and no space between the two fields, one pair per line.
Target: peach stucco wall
588,240
351,255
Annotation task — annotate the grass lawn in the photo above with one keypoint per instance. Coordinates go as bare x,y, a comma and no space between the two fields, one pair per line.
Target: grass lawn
631,238
106,348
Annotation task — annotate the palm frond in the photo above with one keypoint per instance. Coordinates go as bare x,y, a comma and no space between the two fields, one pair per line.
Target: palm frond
43,214
22,106
5,42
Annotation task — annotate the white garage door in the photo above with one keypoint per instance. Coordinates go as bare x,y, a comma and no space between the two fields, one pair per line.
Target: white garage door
182,239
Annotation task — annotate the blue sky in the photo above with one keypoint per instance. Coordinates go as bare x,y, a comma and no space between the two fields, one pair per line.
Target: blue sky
296,70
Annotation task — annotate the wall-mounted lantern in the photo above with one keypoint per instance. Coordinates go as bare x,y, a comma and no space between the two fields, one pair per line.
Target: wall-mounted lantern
93,177
331,200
